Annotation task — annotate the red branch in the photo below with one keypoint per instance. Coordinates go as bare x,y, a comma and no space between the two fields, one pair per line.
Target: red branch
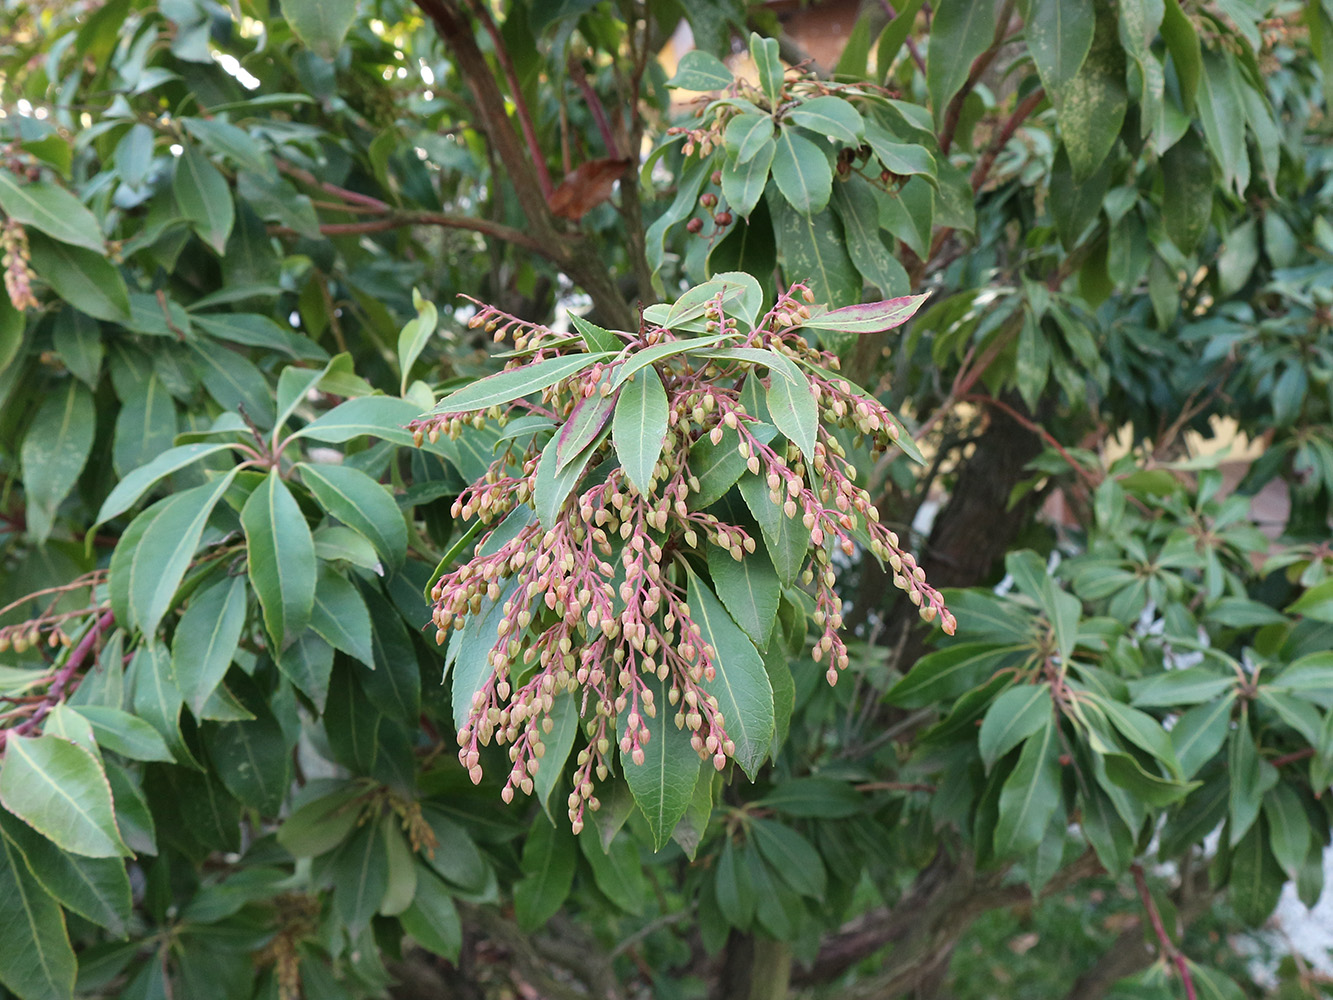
1168,948
1020,113
478,225
62,677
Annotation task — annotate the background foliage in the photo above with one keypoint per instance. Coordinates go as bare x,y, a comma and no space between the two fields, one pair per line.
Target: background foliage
235,239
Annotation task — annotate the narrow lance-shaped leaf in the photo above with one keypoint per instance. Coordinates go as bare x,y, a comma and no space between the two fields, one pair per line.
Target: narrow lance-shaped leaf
872,317
795,412
663,784
54,452
1030,795
61,791
138,482
361,503
206,639
507,386
51,209
281,558
639,427
584,423
37,961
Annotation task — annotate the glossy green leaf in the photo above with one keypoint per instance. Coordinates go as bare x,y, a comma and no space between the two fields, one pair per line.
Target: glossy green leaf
802,172
664,783
741,686
699,70
548,873
157,700
206,639
280,559
51,209
749,590
858,212
745,135
128,735
639,427
1014,716
37,962
61,791
950,672
795,413
253,761
743,183
559,743
1030,795
230,141
319,826
792,857
54,452
811,249
830,116
617,872
552,488
1059,35
375,416
165,550
1090,107
339,616
764,52
84,279
432,918
1251,778
134,485
507,386
360,872
204,198
1200,732
1288,828
959,32
361,503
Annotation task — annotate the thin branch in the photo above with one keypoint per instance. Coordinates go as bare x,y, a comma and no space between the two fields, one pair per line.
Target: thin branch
1020,113
486,227
62,677
909,40
954,113
595,105
355,197
516,94
1168,946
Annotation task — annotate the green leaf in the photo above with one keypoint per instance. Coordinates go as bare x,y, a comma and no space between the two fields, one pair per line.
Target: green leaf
253,760
416,333
308,664
360,872
166,549
97,889
698,70
802,172
1210,984
1288,828
339,616
663,784
595,338
1030,795
51,209
689,832
791,856
743,183
951,672
1182,41
361,503
1091,106
1059,35
235,383
639,427
764,52
1013,717
868,317
811,249
1256,878
395,683
745,135
1251,778
54,452
78,339
749,589
786,539
126,734
507,386
1221,110
432,918
583,425
61,791
206,640
548,874
230,141
858,211
814,798
659,352
37,962
960,31
469,654
830,116
319,826
1179,687
383,417
1141,729
719,466
740,685
1187,173
551,489
559,743
1199,734
157,699
204,198
254,330
320,24
735,892
795,412
280,559
617,872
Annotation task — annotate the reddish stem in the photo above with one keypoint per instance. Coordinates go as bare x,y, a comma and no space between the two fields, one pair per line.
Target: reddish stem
63,676
1291,758
1020,113
1168,948
478,225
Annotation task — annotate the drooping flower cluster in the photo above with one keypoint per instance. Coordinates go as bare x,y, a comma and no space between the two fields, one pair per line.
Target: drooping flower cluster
18,271
597,595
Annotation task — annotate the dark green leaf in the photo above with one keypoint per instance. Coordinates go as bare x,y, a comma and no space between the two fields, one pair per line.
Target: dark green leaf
61,791
206,639
639,427
204,197
802,172
280,559
338,615
37,962
749,590
548,874
1031,794
664,783
960,31
1013,717
54,452
829,116
51,209
361,503
1059,34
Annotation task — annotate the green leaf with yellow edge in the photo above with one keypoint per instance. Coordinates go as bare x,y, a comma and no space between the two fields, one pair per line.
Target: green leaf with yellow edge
61,791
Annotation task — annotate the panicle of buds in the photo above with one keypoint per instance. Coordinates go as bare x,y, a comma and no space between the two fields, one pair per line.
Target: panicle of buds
18,271
594,602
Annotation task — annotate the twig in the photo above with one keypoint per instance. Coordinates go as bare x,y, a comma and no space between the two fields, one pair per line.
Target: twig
1291,758
954,113
1020,113
355,197
516,93
893,786
652,927
62,677
1168,947
397,221
580,79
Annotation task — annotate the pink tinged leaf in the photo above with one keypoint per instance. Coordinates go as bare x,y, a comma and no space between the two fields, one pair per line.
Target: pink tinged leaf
869,317
585,422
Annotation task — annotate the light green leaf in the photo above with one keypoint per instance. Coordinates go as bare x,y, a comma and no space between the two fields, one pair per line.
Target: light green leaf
595,338
281,559
559,742
320,24
552,488
745,135
960,31
416,333
128,735
858,211
361,503
639,427
786,539
1090,107
1199,733
128,491
204,198
37,962
167,547
308,664
698,70
764,52
660,352
230,141
741,686
156,698
54,452
802,172
901,158
51,209
61,791
206,640
383,417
